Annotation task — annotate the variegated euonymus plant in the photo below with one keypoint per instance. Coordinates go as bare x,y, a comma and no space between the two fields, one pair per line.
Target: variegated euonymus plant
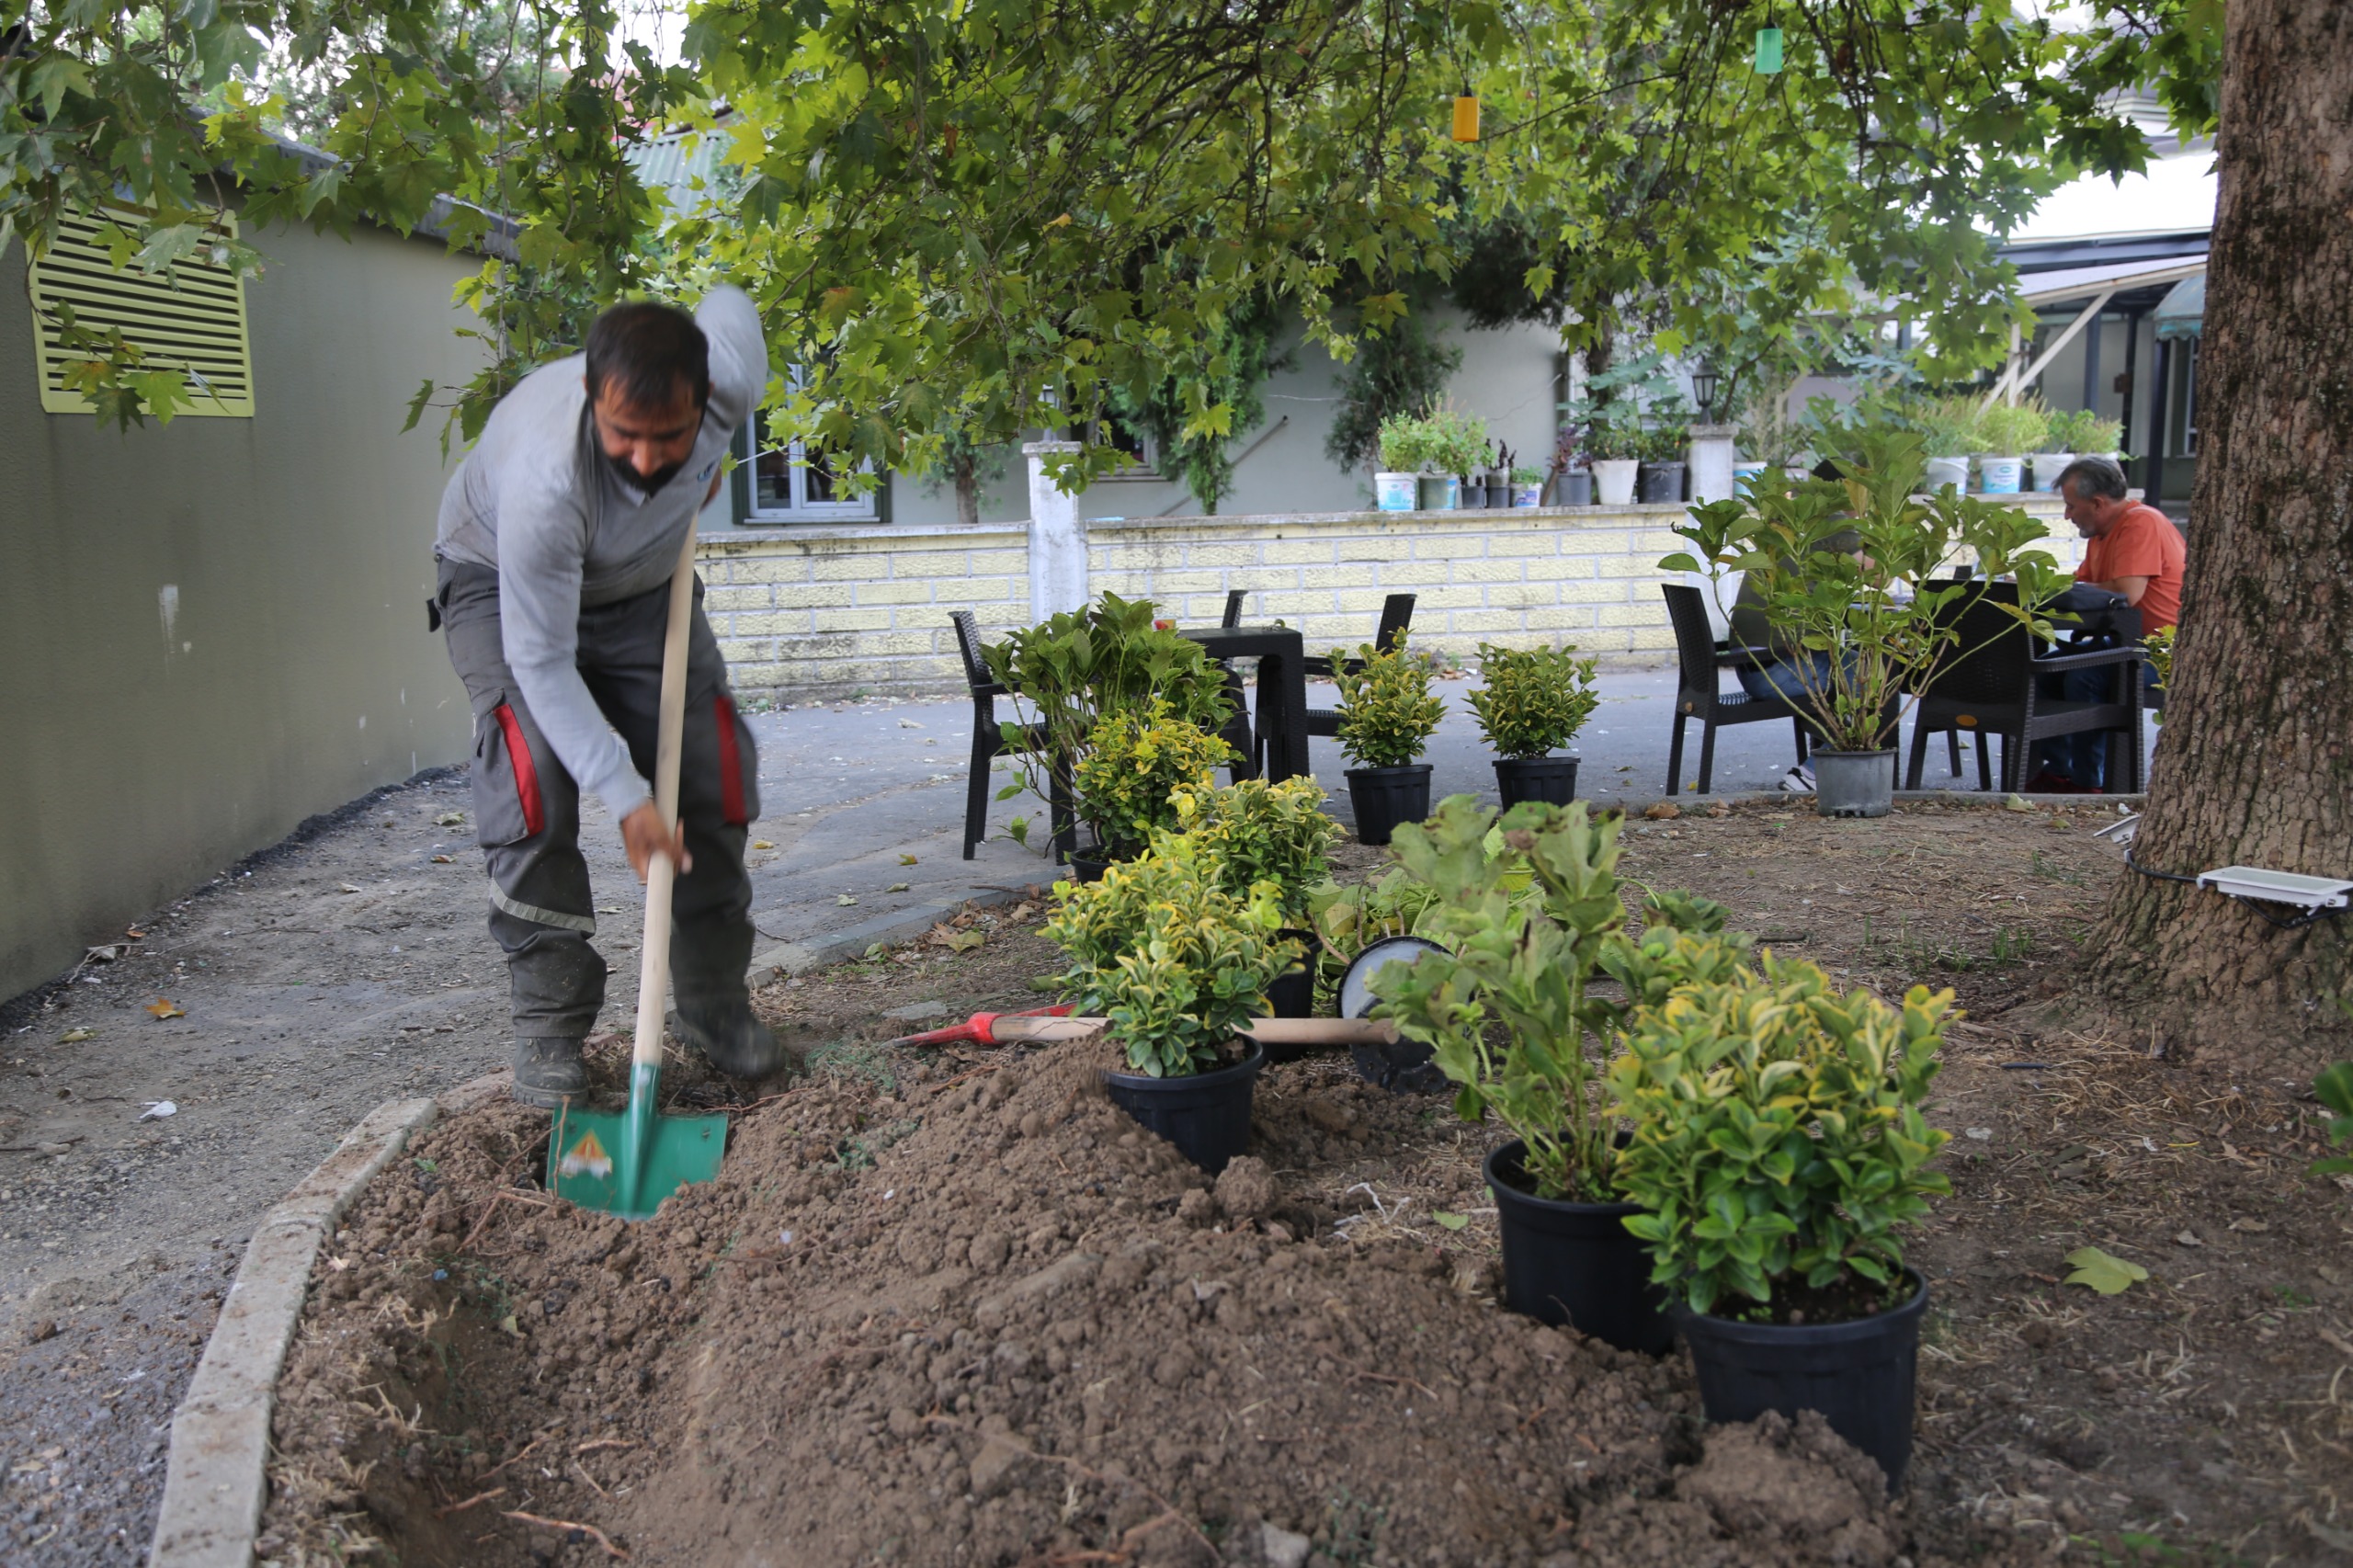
1777,1143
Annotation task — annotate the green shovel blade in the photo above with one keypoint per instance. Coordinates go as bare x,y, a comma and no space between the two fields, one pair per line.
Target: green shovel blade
626,1163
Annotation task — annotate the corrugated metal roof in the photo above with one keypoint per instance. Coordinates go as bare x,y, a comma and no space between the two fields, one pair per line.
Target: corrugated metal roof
2182,312
682,164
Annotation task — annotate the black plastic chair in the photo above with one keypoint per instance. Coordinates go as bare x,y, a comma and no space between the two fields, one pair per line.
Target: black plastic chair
1993,688
1700,657
1396,620
988,744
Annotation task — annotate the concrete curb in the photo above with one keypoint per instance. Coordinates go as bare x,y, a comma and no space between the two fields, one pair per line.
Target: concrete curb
851,941
218,1477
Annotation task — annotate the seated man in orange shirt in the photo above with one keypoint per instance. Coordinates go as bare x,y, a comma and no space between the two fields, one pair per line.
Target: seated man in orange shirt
2132,548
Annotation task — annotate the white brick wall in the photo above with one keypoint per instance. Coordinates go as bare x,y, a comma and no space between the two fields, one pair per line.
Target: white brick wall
820,612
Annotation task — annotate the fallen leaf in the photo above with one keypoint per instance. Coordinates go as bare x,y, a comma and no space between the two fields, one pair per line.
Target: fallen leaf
75,1037
449,819
909,725
346,887
2189,1239
166,1008
906,860
897,886
158,1110
2255,1226
1663,811
443,860
965,941
762,844
845,901
1451,1222
2109,1275
2018,803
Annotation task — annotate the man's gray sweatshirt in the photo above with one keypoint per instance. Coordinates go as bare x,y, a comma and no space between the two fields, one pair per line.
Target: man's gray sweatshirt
536,502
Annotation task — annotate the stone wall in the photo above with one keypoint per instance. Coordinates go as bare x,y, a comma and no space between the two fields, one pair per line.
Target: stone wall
823,612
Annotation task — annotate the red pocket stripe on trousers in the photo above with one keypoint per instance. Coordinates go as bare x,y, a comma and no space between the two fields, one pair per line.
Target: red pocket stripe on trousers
526,773
731,767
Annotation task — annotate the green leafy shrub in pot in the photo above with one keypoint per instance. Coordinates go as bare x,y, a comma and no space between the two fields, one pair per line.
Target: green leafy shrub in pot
1778,1149
1256,832
1458,441
1876,612
1134,767
1175,962
1075,669
1532,701
2010,430
2083,430
1665,442
1404,443
1388,712
1948,424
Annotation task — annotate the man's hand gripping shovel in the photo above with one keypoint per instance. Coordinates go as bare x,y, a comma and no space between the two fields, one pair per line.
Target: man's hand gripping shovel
627,1164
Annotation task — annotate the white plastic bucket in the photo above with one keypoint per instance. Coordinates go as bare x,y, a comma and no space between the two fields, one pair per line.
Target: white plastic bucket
1527,495
2048,466
1947,470
1613,481
2001,476
1394,492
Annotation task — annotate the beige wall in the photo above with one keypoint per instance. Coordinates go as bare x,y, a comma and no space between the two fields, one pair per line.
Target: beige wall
138,757
823,612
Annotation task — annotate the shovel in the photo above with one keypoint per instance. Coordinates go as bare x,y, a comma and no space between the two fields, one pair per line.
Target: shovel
627,1164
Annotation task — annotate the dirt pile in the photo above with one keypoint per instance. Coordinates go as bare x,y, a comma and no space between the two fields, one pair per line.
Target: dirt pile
987,1320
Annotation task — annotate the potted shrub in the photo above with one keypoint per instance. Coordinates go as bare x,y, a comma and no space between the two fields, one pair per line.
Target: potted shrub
1664,450
1458,447
1777,1152
1179,967
1504,1009
2083,432
1073,670
1403,450
1847,571
1498,476
1134,763
1257,833
1948,426
1530,702
1615,445
1387,715
2009,432
1527,487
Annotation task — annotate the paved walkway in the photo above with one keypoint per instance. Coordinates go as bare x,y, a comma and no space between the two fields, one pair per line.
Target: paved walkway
853,789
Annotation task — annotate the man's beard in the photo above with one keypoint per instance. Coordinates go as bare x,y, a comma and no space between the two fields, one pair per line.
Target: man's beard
644,485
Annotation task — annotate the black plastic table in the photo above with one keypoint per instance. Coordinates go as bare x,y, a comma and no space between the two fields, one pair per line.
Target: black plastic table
1282,653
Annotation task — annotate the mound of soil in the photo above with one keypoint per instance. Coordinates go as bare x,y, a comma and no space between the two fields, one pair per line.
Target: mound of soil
983,1318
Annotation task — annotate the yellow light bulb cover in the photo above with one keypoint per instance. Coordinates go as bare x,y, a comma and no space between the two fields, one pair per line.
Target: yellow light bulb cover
1466,117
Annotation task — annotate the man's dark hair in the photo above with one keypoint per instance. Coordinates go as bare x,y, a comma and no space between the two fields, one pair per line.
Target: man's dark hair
2094,476
648,349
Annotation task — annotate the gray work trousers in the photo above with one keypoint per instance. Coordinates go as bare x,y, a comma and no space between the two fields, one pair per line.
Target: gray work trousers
526,807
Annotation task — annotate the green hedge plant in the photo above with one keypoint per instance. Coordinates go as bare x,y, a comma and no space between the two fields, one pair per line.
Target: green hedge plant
1256,832
1532,701
2013,429
1776,1145
1134,767
1388,712
1177,963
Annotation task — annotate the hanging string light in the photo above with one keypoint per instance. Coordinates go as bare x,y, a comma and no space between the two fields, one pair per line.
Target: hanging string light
1768,51
1466,115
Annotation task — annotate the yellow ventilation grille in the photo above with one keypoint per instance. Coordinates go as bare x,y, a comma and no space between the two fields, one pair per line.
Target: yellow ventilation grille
191,318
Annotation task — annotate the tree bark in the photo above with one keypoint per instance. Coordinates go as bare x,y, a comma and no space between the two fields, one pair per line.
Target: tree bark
2253,766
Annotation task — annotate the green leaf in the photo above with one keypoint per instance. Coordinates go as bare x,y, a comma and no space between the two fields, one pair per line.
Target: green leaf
1451,1222
2109,1275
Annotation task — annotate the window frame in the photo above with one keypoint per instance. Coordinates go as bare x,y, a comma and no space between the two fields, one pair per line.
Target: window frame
797,511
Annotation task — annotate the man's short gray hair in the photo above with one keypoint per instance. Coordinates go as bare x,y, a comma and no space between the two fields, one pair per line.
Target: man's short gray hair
2094,476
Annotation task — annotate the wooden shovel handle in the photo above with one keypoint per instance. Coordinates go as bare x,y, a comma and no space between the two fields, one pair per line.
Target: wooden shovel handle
1266,1031
660,871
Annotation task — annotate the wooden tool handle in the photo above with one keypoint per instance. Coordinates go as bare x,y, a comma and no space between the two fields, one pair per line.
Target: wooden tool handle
1266,1031
662,872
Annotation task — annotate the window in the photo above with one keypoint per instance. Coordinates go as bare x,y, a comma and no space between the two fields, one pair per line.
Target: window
793,482
191,318
1143,452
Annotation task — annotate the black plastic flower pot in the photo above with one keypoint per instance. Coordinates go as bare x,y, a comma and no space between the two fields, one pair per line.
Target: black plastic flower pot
1384,797
1573,1264
1549,778
1088,867
1498,496
1207,1115
1859,1374
1575,488
1291,994
1659,481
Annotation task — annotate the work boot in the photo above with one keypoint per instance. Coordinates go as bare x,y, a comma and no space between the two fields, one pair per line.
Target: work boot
548,1073
724,1030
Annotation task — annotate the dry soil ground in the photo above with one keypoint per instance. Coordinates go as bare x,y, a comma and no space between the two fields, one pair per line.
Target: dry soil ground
946,1309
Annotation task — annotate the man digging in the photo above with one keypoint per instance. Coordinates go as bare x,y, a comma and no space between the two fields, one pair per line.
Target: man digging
558,537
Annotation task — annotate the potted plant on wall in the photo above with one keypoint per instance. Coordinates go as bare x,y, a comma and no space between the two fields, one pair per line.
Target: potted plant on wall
2009,431
1614,440
1254,833
1404,443
1949,427
1124,787
1770,442
1178,966
2054,453
1504,1008
1530,702
1073,670
1777,1152
1527,487
1387,715
1847,570
1570,478
1459,451
1664,450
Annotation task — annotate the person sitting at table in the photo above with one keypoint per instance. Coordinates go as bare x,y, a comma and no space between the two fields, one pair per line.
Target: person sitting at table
2131,549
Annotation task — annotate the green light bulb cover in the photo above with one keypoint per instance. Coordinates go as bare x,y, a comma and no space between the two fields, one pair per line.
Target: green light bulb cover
1768,51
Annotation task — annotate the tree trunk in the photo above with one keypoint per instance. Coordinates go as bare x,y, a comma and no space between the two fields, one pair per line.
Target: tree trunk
968,495
2255,767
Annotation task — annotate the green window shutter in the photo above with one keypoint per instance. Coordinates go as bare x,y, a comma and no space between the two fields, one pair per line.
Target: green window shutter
191,317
